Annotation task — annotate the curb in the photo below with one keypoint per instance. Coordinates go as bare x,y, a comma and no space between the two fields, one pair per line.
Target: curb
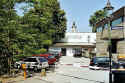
82,66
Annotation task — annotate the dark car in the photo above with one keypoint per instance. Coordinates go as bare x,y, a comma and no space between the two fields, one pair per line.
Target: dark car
99,62
119,64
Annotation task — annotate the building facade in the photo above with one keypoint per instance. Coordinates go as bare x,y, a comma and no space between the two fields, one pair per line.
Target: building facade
117,34
77,43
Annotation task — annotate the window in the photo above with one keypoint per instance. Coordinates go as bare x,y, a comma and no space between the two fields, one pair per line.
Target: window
102,59
42,60
99,29
30,60
106,26
50,57
77,50
117,22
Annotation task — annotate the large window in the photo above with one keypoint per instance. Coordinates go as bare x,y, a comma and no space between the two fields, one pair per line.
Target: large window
117,22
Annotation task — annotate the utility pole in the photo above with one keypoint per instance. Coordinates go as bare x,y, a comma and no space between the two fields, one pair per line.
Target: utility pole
109,9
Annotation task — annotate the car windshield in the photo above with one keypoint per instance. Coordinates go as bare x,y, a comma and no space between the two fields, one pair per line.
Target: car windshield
102,59
53,52
50,56
30,60
43,60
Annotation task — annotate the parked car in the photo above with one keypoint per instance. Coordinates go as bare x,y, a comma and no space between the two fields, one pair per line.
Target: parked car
120,64
57,55
35,63
99,63
51,59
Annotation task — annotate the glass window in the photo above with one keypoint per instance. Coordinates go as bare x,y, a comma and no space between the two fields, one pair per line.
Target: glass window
99,29
50,57
106,26
117,21
30,60
43,60
101,59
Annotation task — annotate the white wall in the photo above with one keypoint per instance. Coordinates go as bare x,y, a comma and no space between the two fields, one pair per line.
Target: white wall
69,52
80,37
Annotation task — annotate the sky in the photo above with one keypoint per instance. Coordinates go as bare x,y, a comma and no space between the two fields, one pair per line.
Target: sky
19,8
81,10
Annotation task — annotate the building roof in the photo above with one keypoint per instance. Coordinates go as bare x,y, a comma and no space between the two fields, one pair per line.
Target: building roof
75,44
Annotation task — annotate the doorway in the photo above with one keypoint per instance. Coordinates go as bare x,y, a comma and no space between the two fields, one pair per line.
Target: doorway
114,45
63,51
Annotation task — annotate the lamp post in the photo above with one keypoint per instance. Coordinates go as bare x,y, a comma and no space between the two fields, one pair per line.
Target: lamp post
108,8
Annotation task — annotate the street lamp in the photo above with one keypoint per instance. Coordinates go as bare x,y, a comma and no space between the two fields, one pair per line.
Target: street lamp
108,8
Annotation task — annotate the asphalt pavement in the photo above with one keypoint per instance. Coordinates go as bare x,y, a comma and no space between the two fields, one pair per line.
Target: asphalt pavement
70,70
76,70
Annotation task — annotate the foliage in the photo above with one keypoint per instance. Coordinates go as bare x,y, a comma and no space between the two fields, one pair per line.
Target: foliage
96,17
39,27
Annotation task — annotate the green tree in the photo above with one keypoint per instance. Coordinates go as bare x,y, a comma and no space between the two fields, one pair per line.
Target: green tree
96,17
41,25
44,22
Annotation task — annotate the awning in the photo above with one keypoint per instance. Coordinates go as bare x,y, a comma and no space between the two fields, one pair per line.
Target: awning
74,44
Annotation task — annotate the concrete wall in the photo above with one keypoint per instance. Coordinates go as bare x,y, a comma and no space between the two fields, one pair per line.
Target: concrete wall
79,37
115,34
101,48
121,47
69,52
101,45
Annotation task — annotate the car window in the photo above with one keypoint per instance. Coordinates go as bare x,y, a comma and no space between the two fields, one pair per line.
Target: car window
42,60
52,52
50,56
102,59
121,59
30,60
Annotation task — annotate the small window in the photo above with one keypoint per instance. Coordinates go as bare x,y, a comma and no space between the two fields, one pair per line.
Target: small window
99,29
106,26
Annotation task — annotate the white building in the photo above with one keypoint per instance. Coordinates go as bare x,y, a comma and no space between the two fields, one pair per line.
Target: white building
77,43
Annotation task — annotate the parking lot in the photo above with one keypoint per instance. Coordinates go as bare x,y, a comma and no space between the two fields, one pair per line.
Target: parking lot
72,70
67,70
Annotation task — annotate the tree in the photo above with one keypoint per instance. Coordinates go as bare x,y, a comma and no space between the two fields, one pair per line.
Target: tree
96,17
41,25
45,22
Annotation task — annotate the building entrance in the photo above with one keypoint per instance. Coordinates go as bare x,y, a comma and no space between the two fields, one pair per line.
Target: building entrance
63,51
